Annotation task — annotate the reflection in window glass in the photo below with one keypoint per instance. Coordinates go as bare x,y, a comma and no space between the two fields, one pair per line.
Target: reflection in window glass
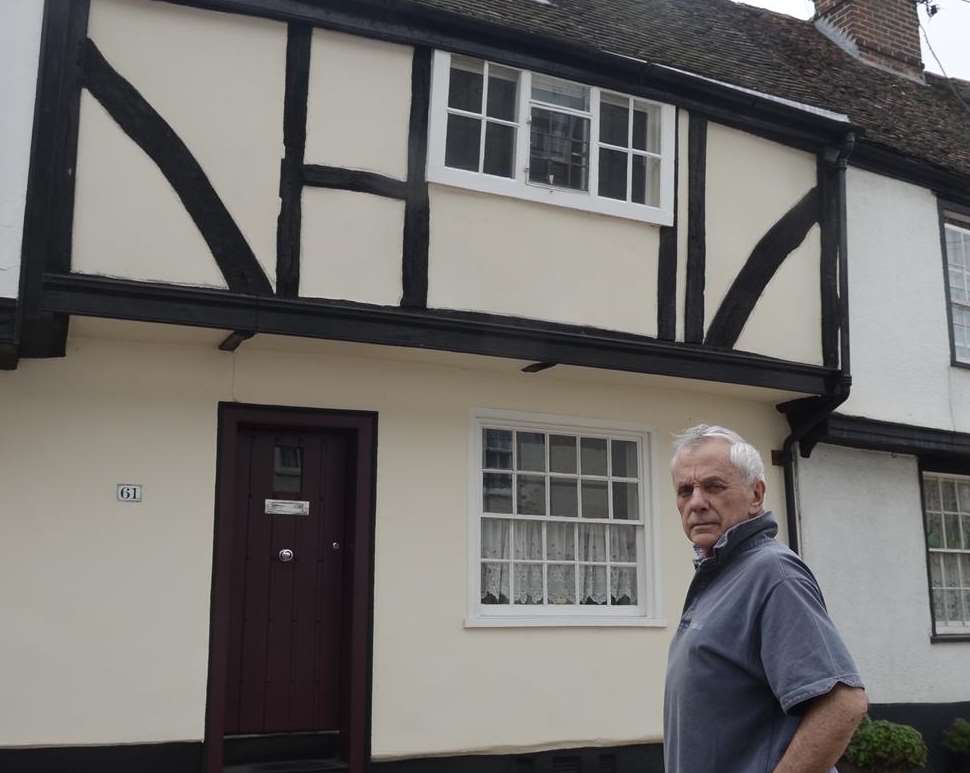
287,468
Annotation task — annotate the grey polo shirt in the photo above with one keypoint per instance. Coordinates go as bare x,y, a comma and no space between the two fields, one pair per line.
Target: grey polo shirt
754,644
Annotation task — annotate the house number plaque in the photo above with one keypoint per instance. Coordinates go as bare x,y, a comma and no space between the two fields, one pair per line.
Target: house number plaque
287,507
129,492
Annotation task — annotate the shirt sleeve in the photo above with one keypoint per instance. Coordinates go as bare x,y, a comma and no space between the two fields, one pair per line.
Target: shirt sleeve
801,651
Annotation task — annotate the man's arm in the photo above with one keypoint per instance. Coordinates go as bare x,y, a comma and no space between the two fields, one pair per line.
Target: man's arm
825,731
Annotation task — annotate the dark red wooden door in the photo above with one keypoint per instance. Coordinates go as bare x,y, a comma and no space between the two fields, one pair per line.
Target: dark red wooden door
284,659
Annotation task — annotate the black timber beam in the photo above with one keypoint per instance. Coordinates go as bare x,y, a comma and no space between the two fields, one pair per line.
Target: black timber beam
465,332
876,435
8,334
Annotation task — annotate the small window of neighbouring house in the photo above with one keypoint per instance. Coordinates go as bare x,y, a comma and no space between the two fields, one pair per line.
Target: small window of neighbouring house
946,501
534,136
958,281
560,520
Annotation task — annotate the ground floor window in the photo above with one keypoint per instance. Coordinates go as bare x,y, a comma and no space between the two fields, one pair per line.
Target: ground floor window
560,519
946,500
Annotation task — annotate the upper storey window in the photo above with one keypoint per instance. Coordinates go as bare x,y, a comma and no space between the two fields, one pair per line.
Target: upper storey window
958,277
532,136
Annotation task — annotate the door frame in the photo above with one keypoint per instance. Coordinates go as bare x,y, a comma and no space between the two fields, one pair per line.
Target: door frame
361,426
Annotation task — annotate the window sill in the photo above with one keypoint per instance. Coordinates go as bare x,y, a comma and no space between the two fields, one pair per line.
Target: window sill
542,194
562,621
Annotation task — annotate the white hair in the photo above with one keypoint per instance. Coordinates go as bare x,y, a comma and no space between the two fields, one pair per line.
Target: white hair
743,455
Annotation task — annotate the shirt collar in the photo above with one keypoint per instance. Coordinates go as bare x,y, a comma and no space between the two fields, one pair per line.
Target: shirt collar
729,541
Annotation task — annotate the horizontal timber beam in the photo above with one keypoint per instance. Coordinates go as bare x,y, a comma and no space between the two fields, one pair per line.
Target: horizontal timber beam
465,332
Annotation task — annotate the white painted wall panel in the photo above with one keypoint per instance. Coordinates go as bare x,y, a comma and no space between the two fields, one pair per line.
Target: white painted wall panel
110,644
751,184
359,103
352,246
128,220
862,530
20,23
897,308
218,80
507,256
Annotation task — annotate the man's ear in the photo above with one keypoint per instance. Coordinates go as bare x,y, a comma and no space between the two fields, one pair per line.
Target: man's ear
758,500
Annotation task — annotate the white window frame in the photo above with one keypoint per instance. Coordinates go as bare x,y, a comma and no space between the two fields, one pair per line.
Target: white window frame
963,227
941,629
520,186
647,613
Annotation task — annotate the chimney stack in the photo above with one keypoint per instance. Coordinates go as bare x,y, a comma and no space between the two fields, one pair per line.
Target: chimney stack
881,32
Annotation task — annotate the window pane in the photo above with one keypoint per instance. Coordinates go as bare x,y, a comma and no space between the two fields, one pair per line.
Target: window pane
593,456
531,495
595,496
528,540
497,449
562,453
287,469
592,542
623,585
625,501
963,495
615,120
462,144
951,572
495,583
965,519
562,584
953,603
612,174
465,87
531,447
964,560
646,181
558,92
939,613
559,149
623,544
936,571
497,492
592,585
934,530
624,459
560,541
562,497
499,149
931,493
951,529
495,538
949,490
502,88
646,128
528,584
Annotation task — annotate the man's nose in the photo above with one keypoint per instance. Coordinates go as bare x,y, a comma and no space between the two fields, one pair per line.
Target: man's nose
696,500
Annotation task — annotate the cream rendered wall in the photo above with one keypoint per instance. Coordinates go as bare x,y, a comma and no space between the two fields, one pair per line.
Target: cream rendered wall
218,80
751,184
897,308
359,103
20,23
106,626
351,246
507,256
862,534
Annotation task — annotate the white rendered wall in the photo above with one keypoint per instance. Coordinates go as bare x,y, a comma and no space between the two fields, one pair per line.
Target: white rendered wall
20,23
507,256
751,184
351,246
106,632
862,534
217,79
359,103
897,308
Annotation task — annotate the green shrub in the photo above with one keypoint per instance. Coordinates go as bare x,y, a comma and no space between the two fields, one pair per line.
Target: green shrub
957,737
887,746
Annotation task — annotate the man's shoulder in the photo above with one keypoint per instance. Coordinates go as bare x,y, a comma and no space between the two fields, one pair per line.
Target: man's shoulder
776,562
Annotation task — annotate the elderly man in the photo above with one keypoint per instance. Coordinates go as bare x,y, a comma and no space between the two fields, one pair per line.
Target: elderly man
758,678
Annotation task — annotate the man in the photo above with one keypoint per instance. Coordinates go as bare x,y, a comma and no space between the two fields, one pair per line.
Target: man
758,678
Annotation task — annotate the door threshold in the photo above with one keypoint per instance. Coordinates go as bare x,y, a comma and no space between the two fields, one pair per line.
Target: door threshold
290,766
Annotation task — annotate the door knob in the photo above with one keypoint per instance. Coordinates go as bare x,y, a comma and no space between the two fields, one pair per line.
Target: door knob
286,555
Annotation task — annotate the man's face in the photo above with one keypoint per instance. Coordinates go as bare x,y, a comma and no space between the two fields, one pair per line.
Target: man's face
712,495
